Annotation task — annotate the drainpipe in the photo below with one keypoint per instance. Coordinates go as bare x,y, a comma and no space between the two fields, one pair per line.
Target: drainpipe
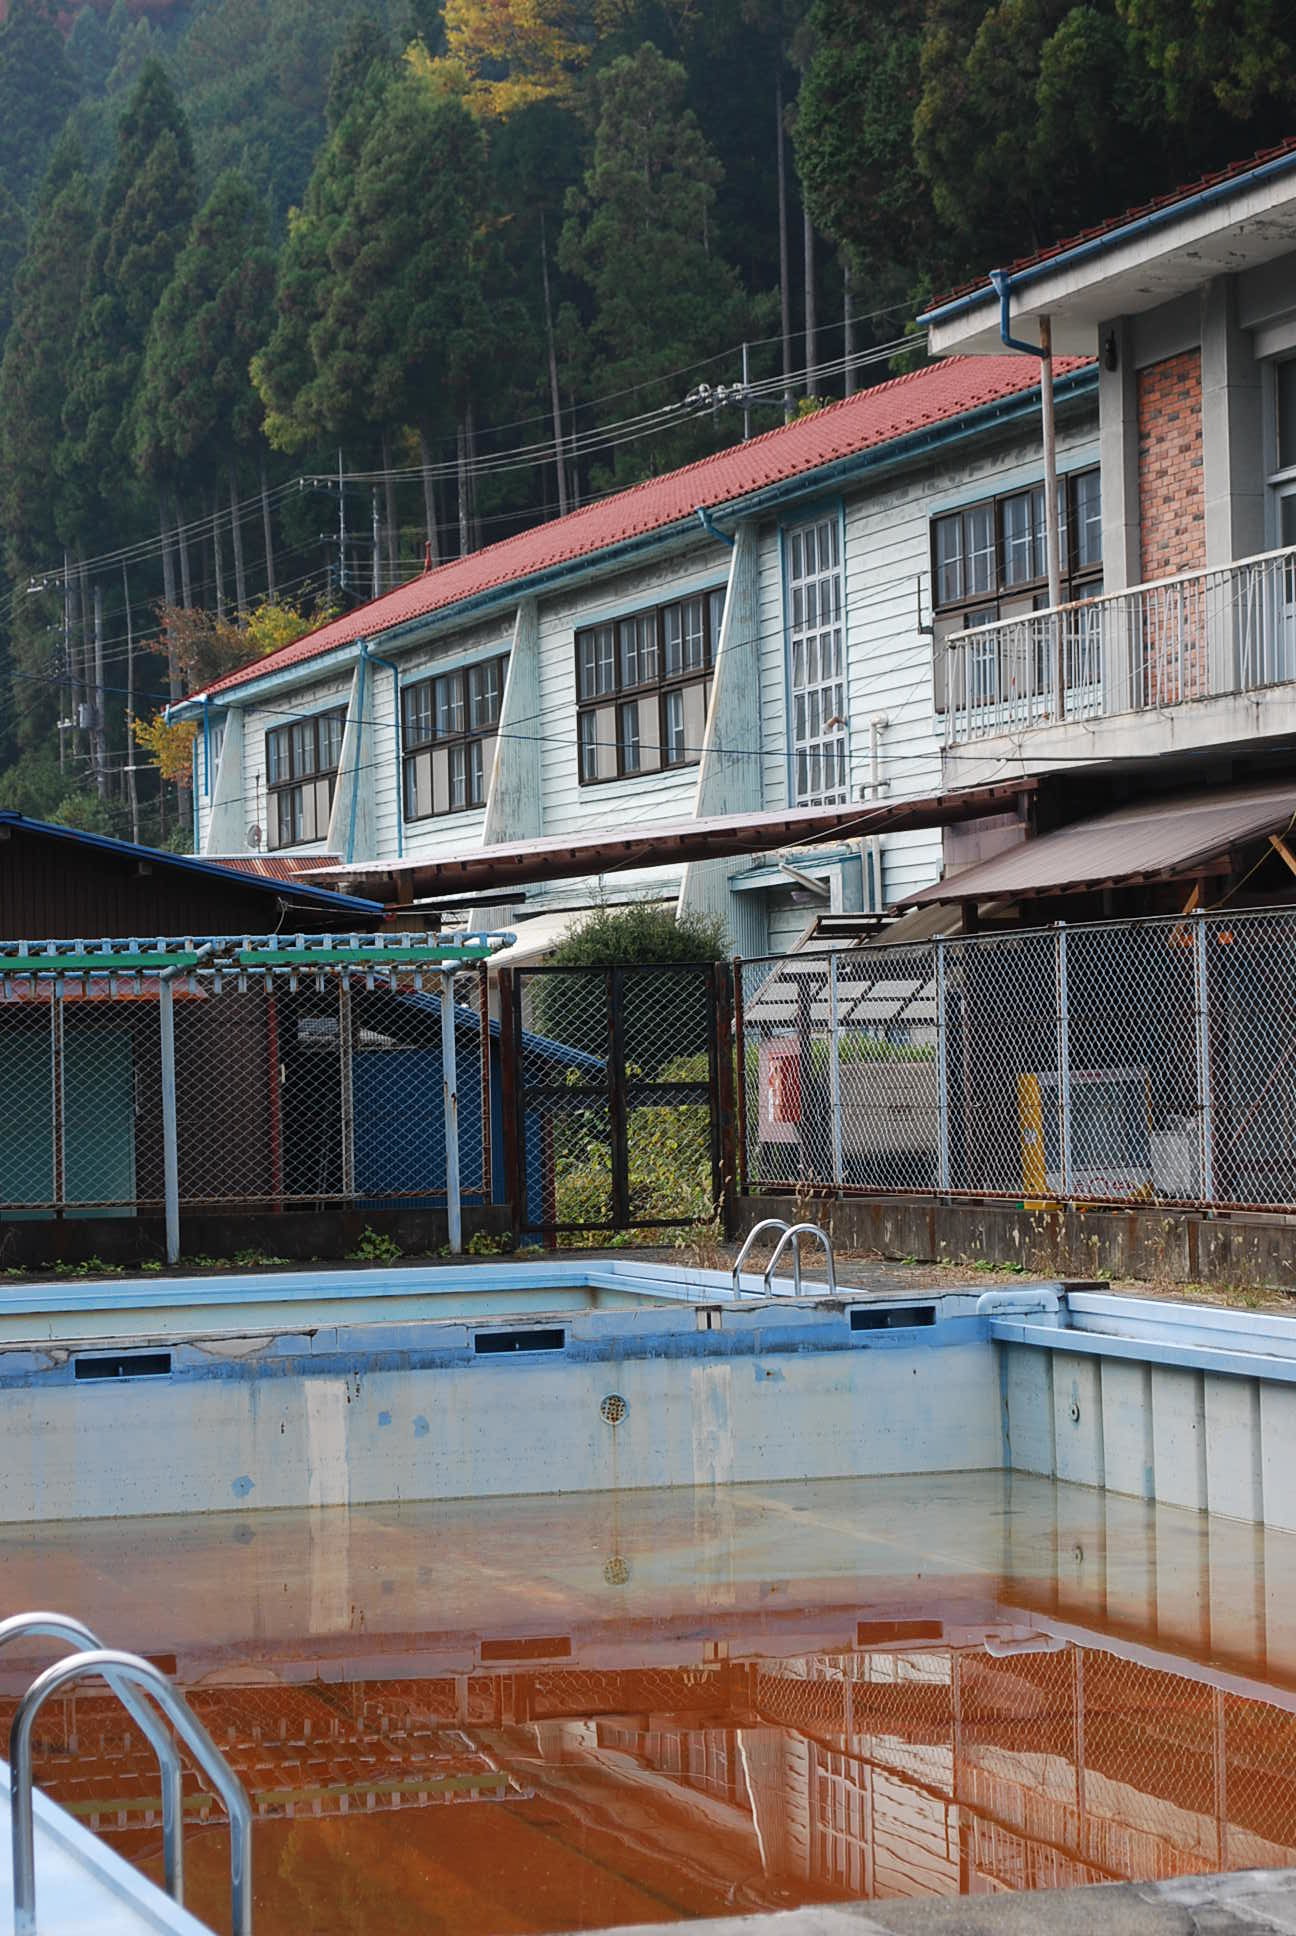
711,528
873,845
206,706
361,674
371,658
1001,283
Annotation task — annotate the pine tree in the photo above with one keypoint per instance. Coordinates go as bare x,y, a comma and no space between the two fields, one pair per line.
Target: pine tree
13,238
38,90
144,218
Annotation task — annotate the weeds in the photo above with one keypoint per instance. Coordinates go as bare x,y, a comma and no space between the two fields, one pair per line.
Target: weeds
375,1247
485,1243
258,1259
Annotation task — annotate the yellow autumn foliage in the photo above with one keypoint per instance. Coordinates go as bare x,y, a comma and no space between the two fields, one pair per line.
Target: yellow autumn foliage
169,744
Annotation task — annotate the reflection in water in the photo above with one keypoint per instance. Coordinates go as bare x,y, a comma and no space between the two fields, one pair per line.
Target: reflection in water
467,1719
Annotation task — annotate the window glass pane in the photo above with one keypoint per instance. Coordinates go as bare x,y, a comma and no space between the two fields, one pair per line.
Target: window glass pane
476,774
585,664
302,745
675,753
815,651
1286,386
980,550
628,735
589,746
949,559
673,637
1088,517
458,777
416,712
605,659
1287,519
331,728
484,694
1018,539
694,640
277,755
628,631
716,605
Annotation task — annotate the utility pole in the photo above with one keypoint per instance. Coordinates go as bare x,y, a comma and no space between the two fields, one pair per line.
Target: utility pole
65,694
377,537
746,367
341,528
132,791
98,725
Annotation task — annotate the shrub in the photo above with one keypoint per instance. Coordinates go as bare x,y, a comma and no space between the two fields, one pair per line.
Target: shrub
663,1015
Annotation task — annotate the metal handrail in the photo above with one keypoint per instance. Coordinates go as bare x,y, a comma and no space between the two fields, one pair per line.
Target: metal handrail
58,1626
115,1666
793,1235
766,1223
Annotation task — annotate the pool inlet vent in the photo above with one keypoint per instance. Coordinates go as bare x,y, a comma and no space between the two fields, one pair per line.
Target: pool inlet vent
613,1409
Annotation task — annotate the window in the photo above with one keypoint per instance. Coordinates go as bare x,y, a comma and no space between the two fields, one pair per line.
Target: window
301,775
1285,395
449,725
642,687
999,549
816,651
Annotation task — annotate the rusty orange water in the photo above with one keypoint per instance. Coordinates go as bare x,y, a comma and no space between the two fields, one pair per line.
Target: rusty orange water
541,1715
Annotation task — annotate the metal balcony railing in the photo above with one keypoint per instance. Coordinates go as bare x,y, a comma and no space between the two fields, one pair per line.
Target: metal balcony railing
1200,635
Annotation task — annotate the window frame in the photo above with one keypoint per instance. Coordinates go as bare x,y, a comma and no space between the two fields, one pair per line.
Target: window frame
812,747
464,743
292,781
1079,579
659,683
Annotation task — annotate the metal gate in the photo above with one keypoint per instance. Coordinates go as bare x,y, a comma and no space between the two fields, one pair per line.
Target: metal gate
618,1095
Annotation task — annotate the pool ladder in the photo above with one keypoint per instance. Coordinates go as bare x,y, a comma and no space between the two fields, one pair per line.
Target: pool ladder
131,1679
790,1238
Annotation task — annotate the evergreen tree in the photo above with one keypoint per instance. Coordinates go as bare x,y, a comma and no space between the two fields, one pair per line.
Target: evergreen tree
144,218
1235,55
38,90
195,406
640,235
37,359
13,237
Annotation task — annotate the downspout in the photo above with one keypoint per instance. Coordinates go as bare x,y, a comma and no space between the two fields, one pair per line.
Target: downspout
712,529
206,706
389,665
1001,283
361,672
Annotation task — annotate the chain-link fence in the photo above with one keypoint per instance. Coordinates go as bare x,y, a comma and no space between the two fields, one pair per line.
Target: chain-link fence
619,1106
1153,1061
253,1075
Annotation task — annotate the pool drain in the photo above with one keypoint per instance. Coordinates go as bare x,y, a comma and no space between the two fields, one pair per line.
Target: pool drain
616,1571
613,1409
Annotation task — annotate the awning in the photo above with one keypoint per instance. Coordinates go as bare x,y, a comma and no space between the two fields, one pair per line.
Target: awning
1153,840
562,857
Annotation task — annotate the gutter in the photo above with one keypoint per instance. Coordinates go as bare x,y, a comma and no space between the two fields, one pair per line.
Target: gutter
712,529
1127,232
896,451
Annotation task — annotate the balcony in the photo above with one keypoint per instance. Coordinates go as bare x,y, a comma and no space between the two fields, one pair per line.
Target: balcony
1203,635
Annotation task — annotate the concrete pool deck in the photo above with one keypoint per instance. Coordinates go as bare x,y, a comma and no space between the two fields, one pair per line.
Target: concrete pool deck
1249,1903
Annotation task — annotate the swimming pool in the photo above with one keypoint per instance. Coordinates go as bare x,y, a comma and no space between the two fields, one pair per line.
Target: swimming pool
563,1713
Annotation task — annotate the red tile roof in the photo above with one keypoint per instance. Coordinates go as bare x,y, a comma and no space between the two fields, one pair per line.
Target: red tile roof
1114,222
876,416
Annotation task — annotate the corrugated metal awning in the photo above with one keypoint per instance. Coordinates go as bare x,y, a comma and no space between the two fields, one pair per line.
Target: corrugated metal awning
1153,840
566,857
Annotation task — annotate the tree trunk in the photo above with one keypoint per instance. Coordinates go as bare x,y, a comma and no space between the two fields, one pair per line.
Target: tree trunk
218,555
182,539
236,539
429,496
99,726
470,435
785,272
393,525
559,454
168,555
462,445
268,533
848,325
132,750
811,318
